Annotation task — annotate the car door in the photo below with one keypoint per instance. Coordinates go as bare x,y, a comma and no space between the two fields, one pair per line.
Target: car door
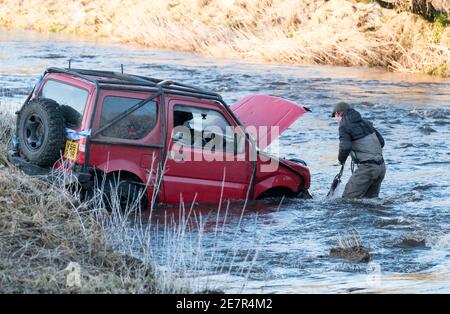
195,169
133,145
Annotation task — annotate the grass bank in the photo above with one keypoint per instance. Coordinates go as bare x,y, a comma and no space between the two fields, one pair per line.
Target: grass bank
48,244
51,243
48,247
336,32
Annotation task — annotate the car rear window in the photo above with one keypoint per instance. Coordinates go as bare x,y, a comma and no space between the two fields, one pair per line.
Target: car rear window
134,126
72,100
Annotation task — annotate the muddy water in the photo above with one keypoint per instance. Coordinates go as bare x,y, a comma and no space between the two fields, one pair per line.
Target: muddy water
282,248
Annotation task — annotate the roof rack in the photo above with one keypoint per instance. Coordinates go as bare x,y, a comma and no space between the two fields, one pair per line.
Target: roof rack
114,79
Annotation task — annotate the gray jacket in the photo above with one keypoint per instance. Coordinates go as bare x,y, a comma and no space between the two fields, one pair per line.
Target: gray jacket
358,136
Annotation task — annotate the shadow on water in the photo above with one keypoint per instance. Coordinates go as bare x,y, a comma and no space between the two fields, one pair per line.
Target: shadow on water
406,230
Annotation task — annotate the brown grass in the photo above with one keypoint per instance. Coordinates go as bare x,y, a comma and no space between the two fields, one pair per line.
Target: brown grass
337,32
44,228
41,233
7,122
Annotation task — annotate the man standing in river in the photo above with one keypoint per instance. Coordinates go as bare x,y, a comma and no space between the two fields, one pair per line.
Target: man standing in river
358,137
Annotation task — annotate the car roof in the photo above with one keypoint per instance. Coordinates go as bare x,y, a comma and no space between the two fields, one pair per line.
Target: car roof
124,81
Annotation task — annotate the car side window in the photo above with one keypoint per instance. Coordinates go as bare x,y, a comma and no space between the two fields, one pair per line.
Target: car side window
201,126
134,126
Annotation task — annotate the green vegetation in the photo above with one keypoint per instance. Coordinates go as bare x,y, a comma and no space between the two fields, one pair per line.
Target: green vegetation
439,25
441,70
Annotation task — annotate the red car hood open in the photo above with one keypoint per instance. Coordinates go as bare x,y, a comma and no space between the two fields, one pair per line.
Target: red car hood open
266,111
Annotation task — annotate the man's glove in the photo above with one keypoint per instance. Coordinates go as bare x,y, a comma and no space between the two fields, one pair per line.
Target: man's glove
342,157
342,161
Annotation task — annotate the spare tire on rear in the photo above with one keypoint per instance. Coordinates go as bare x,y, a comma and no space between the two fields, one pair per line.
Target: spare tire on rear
41,131
72,117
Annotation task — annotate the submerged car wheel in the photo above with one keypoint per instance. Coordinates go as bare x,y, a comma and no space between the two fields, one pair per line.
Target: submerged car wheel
41,131
124,195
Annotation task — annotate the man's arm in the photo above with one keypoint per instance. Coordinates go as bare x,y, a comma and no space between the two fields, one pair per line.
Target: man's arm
380,138
345,144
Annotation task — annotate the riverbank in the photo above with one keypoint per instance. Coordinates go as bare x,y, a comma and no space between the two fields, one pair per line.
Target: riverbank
335,32
49,247
51,243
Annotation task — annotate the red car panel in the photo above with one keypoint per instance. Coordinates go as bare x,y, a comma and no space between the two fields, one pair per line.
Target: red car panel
262,111
140,157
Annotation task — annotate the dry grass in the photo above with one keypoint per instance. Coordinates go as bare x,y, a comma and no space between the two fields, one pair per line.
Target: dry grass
338,32
350,247
43,230
7,123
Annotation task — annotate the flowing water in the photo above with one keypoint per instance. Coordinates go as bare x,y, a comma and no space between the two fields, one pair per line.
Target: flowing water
283,247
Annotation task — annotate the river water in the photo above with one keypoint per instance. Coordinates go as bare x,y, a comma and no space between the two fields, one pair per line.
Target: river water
282,247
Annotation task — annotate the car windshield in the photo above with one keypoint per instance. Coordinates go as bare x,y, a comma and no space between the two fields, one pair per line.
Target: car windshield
72,100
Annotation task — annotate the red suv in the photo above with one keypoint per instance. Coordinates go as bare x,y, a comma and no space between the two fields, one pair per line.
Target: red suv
144,134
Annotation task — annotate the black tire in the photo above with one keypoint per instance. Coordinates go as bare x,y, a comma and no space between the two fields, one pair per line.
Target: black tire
130,194
41,131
